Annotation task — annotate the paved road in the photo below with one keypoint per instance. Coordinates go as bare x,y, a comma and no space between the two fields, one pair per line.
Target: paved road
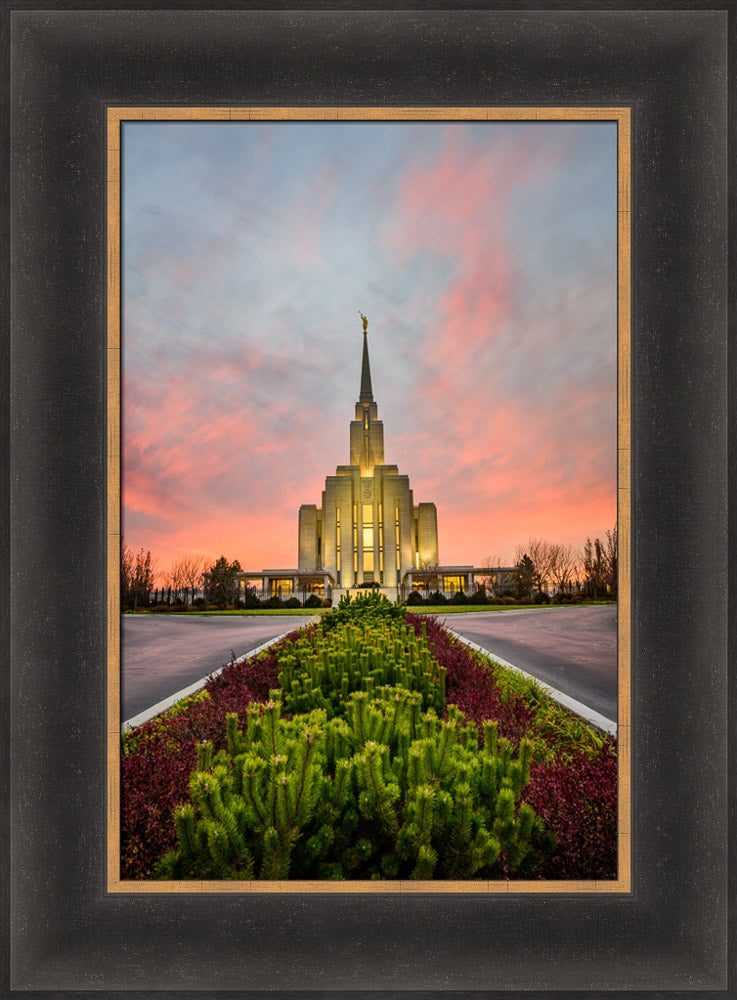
571,649
161,654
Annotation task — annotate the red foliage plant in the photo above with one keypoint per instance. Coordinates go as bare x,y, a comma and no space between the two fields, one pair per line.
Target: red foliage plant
154,778
578,802
155,773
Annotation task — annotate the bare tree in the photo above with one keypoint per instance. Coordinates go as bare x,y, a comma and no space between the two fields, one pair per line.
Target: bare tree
611,561
142,577
594,569
126,571
563,566
192,568
177,581
540,553
600,566
495,581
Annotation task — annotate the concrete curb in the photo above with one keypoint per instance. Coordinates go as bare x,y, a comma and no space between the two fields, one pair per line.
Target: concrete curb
149,713
578,708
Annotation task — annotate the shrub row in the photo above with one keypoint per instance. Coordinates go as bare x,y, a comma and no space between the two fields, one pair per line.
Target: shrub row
381,790
158,757
251,603
323,667
370,778
481,598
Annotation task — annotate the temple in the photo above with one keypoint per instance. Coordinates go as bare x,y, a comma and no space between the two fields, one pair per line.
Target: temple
367,530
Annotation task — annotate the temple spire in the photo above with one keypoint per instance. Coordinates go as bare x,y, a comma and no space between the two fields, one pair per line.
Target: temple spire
366,395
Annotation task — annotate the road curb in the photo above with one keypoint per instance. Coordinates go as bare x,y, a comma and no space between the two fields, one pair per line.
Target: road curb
578,708
149,713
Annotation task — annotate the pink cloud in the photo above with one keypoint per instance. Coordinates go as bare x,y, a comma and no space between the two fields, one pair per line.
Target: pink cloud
209,459
454,209
486,452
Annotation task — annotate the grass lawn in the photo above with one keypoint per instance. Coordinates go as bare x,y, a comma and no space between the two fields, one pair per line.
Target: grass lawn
435,609
461,609
244,612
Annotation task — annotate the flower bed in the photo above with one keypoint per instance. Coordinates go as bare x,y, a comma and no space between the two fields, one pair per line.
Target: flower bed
567,799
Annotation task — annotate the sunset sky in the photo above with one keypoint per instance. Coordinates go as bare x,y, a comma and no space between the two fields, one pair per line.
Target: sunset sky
483,255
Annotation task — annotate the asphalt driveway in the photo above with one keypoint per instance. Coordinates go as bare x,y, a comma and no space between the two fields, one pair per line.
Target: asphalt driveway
161,654
571,649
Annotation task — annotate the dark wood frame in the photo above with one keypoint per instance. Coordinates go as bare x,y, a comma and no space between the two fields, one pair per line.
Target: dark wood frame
65,932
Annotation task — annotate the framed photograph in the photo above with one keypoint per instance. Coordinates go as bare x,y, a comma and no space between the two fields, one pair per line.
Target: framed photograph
485,194
155,121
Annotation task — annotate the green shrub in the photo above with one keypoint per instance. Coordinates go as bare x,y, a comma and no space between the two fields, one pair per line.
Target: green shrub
369,607
381,791
321,670
293,602
572,786
564,598
367,779
313,601
459,598
415,598
437,598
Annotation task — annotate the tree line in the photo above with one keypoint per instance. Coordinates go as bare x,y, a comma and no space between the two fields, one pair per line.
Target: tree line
543,569
189,580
